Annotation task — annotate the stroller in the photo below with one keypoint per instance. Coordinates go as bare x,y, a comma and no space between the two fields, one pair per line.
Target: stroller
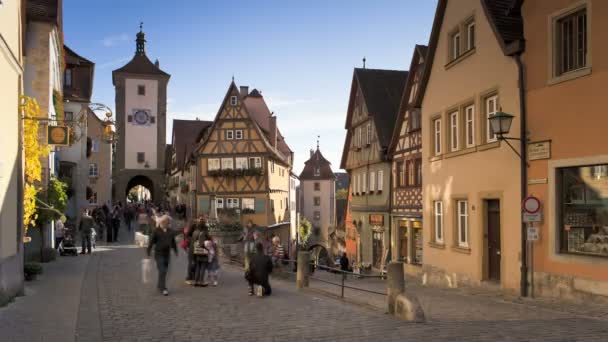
68,244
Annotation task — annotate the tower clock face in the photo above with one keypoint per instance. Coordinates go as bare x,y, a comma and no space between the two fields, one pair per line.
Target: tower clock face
141,117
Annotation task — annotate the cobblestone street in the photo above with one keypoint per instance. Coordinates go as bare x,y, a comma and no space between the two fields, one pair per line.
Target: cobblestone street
114,305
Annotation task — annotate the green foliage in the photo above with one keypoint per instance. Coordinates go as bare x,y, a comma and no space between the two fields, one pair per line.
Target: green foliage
32,268
57,198
58,104
342,194
304,231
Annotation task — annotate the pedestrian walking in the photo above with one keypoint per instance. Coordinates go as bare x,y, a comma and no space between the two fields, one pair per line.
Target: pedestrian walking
187,246
201,255
278,251
85,228
344,263
163,241
214,264
59,232
259,271
128,216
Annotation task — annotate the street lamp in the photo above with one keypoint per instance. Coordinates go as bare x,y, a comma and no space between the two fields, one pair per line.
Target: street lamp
108,131
500,124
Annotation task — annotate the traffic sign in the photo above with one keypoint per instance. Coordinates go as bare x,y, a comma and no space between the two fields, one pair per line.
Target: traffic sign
532,234
531,205
529,218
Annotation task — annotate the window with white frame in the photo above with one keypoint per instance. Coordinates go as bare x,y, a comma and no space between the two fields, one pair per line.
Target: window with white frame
229,135
255,162
372,181
438,220
455,45
491,109
227,164
369,133
219,203
364,176
437,136
248,203
469,113
380,180
570,31
471,35
93,170
233,100
241,163
95,145
463,223
238,134
213,164
317,171
232,203
454,131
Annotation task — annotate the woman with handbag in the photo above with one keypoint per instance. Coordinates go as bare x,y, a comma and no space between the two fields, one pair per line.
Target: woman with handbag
201,255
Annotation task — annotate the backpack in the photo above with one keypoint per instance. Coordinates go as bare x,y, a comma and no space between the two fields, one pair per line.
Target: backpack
199,244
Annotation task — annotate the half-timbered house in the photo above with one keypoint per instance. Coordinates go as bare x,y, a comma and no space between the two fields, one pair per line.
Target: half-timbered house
372,110
245,163
406,155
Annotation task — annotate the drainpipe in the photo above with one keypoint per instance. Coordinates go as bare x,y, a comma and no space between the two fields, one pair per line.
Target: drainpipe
524,172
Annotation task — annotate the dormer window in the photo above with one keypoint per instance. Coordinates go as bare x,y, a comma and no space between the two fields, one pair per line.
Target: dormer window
317,171
233,101
67,78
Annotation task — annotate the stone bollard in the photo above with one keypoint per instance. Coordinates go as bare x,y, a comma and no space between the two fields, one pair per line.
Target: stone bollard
395,284
302,274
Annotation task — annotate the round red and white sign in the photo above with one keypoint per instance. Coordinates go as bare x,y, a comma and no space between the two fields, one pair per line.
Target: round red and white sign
531,205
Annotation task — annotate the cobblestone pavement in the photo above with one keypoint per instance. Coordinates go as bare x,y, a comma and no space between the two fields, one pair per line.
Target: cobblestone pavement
116,306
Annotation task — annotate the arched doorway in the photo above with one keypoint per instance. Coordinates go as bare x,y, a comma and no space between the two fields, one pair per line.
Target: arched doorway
139,188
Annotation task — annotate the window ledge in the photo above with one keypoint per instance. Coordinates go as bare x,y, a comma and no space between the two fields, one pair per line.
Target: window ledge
460,249
488,146
436,158
460,152
460,58
570,76
437,245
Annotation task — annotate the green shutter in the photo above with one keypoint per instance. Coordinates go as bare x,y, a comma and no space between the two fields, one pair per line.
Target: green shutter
203,205
260,205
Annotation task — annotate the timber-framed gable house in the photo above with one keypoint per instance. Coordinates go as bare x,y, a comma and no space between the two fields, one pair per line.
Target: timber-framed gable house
244,163
373,105
406,155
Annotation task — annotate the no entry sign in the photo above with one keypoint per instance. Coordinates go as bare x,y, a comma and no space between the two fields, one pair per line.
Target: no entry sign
531,210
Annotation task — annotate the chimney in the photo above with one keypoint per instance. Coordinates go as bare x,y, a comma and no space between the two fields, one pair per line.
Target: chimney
273,131
156,63
244,91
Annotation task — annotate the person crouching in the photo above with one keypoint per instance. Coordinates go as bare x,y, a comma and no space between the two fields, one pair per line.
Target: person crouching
259,270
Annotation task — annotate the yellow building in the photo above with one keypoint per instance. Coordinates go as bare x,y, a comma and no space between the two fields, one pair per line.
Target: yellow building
245,162
471,179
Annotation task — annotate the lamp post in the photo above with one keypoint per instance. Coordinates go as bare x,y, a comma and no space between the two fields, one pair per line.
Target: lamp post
500,124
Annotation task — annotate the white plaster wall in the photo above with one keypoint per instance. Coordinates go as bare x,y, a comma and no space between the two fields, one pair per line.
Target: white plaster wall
308,206
141,138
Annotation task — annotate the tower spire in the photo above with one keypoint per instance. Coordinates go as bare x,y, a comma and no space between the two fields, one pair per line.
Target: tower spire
140,46
364,62
318,137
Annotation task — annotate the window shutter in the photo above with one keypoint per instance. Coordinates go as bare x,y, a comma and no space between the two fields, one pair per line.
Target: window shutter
130,118
260,205
204,204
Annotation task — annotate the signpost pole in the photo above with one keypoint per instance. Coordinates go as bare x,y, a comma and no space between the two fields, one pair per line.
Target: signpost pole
531,267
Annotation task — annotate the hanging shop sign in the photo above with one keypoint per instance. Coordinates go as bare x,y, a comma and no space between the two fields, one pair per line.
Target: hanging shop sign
376,219
58,135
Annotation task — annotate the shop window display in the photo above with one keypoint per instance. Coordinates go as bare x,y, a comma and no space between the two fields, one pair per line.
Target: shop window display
584,210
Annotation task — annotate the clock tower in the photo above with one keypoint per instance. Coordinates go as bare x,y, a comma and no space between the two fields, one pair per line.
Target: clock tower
141,118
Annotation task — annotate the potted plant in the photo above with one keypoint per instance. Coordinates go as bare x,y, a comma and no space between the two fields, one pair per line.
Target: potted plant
31,270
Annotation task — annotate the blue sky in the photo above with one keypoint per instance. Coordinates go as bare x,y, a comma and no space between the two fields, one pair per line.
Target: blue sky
300,54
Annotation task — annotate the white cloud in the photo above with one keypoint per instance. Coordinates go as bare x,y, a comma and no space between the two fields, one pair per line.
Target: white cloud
110,41
114,63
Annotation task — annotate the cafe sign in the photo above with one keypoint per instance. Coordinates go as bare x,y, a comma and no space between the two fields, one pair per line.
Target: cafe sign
58,135
376,219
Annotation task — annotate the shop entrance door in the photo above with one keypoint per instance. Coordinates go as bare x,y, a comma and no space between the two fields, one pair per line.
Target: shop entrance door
493,215
377,248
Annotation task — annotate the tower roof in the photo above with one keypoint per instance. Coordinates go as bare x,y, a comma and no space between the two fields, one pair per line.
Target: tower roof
140,64
317,167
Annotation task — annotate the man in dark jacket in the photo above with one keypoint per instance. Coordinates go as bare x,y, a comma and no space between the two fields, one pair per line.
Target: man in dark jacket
85,229
260,268
163,241
344,263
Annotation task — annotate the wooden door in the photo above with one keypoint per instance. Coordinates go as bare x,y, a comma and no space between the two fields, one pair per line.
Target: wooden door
493,215
377,249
